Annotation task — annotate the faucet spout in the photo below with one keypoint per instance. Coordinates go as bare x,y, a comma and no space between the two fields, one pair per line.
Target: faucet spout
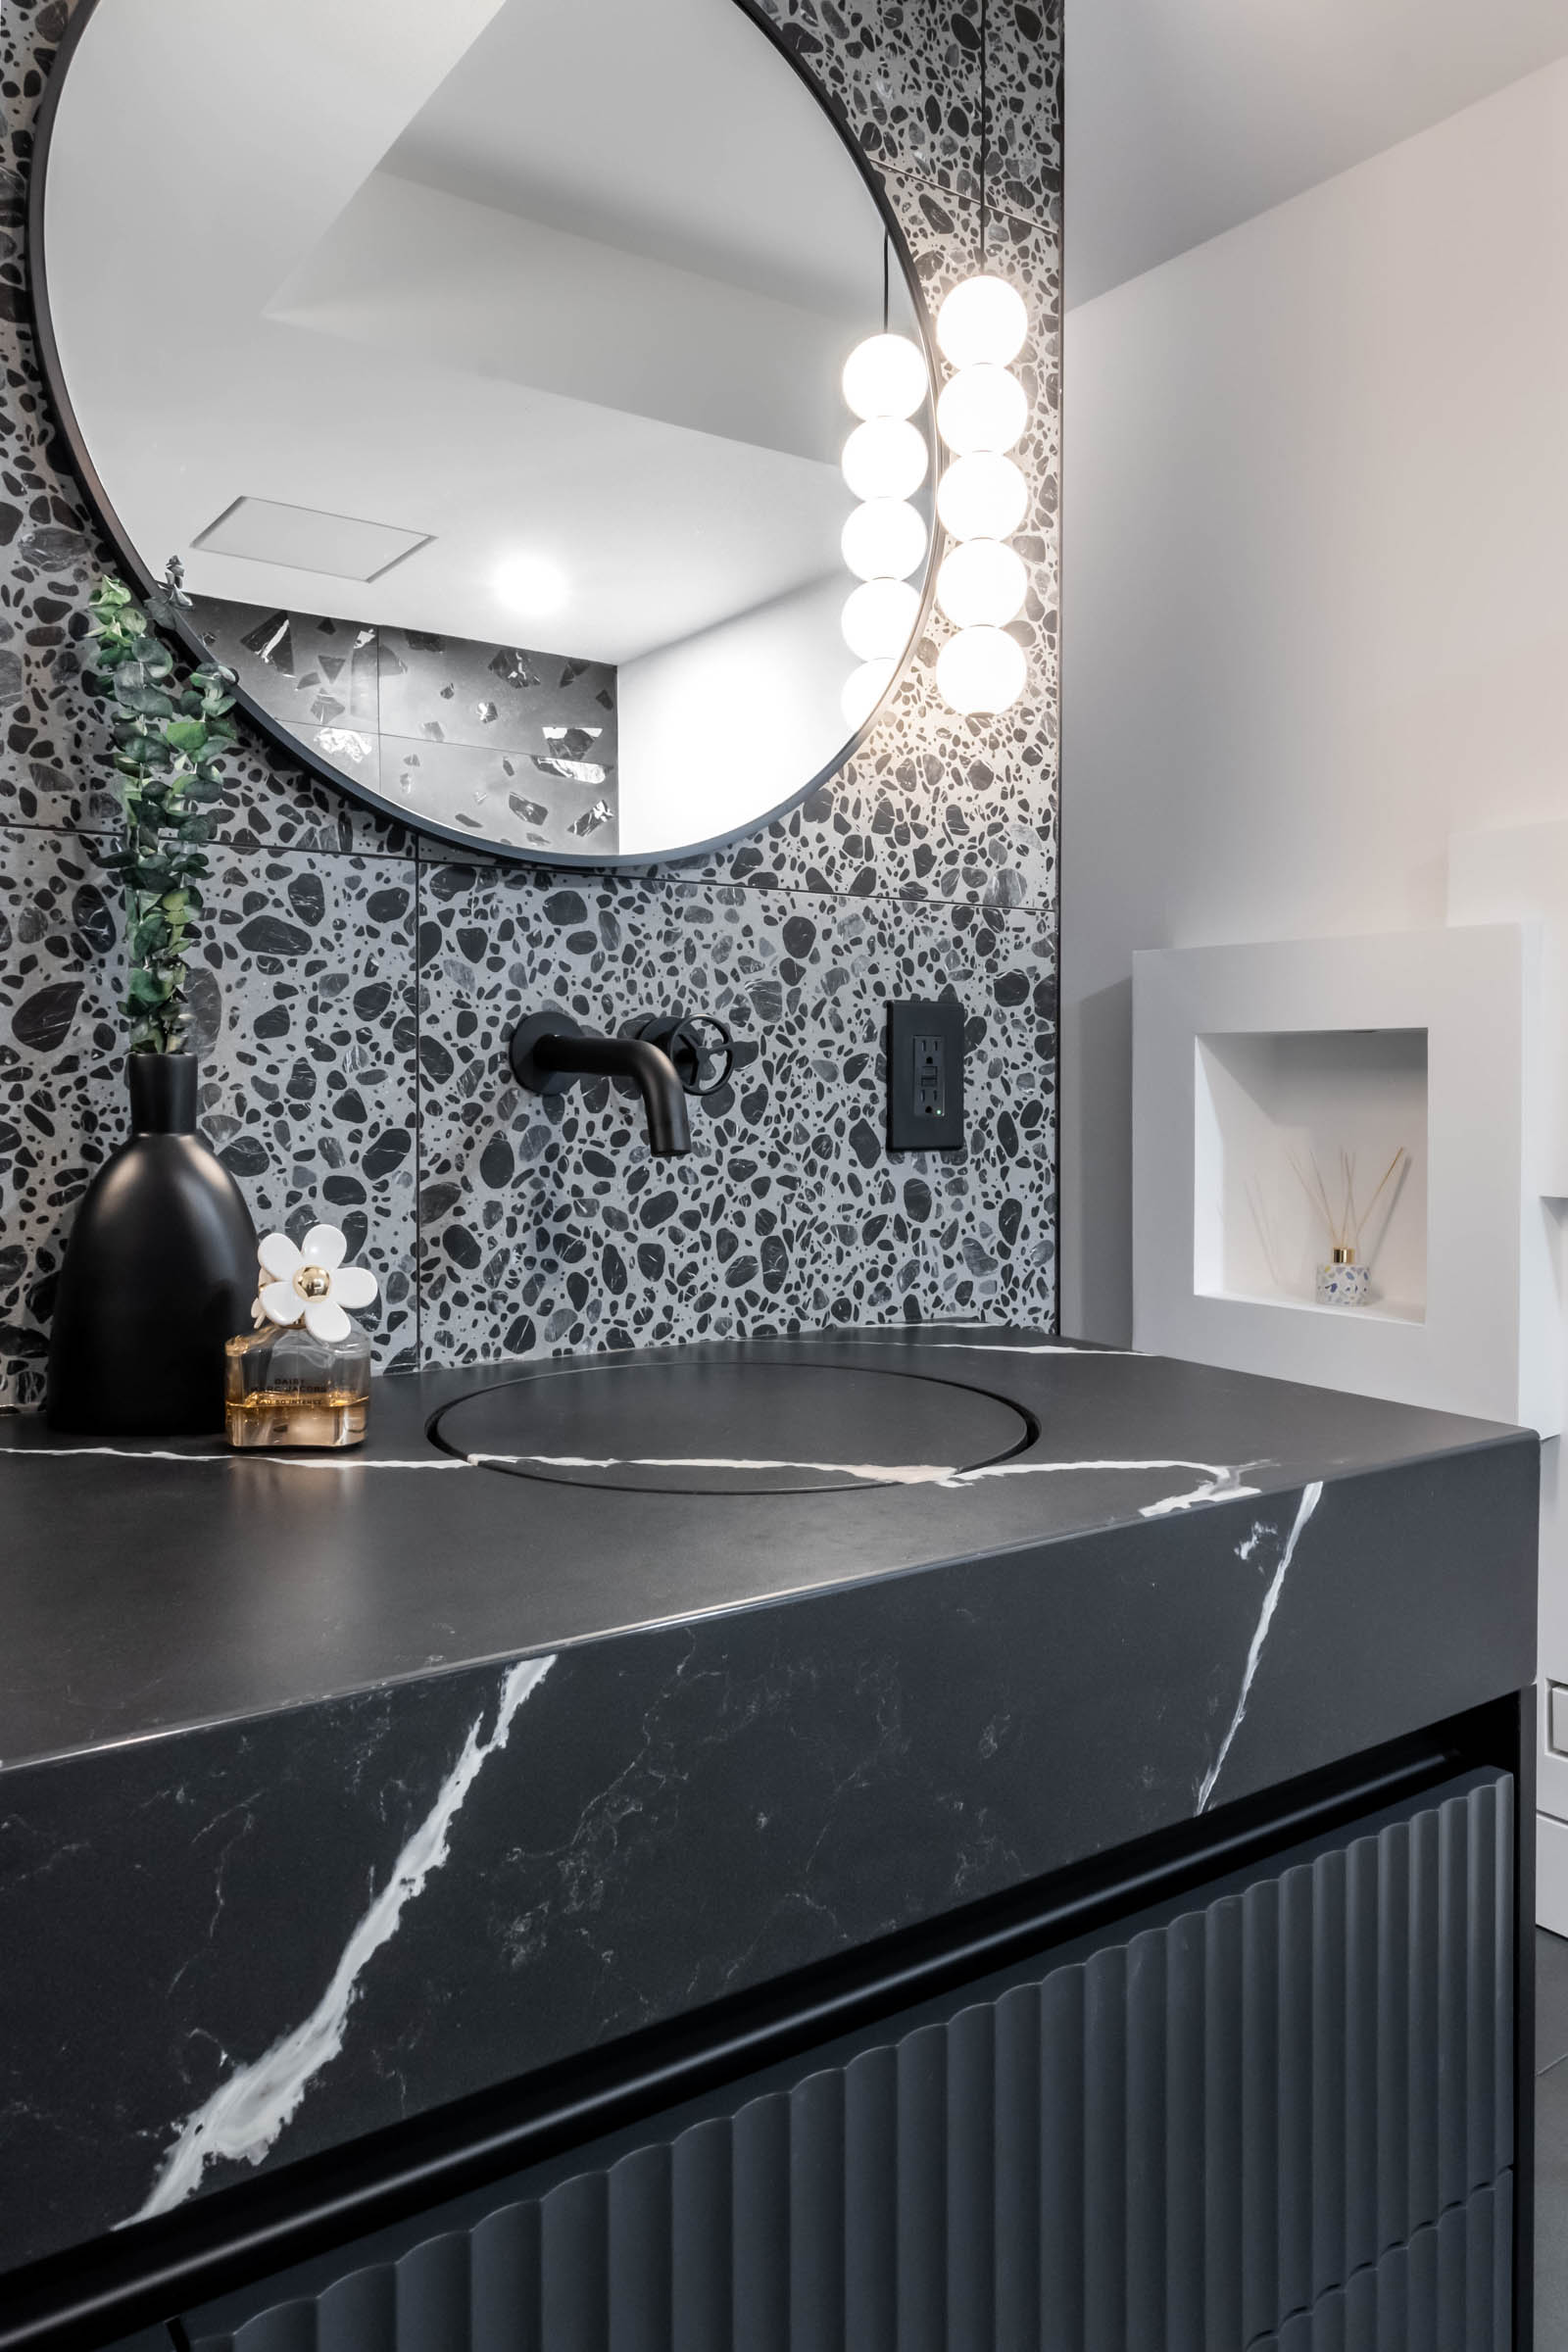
549,1050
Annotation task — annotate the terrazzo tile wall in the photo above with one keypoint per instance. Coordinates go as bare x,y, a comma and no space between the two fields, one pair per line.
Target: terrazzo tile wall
357,987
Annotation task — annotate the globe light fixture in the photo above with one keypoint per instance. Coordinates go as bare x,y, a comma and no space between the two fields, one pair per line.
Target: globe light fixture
982,497
885,376
982,408
982,584
885,458
982,322
864,689
879,617
981,671
884,540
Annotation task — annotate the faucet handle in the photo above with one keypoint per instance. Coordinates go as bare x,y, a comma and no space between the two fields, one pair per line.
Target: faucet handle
539,1077
698,1043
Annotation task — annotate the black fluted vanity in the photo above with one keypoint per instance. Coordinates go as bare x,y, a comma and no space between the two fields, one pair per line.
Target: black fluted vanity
922,1818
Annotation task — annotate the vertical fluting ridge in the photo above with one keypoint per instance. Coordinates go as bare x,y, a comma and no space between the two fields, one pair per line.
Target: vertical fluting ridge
1293,2100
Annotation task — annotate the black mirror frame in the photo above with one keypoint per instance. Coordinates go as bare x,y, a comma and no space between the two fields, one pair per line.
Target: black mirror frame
292,748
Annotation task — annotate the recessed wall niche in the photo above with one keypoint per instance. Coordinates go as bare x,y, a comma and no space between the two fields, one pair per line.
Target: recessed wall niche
1275,1113
1244,1056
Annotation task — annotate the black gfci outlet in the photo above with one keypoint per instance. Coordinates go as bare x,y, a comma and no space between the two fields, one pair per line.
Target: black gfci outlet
925,1077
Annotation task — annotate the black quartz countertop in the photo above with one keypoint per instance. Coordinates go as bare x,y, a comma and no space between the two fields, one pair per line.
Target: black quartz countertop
338,1790
152,1587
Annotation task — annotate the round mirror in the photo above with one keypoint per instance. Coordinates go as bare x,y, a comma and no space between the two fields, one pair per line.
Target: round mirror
482,365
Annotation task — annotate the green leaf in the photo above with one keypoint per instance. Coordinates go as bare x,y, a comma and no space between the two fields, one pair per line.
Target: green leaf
147,702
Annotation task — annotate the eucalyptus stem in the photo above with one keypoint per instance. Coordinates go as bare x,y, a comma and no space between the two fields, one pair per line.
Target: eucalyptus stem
169,741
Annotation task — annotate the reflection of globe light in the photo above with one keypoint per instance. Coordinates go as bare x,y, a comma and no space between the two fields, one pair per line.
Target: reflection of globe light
878,618
885,458
530,584
864,689
981,671
885,376
983,320
982,408
981,497
982,583
885,539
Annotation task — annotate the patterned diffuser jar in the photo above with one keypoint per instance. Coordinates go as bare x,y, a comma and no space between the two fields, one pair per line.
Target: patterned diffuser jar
1341,1282
303,1376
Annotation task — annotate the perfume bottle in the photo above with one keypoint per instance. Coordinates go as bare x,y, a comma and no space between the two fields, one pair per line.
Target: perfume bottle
284,1388
303,1376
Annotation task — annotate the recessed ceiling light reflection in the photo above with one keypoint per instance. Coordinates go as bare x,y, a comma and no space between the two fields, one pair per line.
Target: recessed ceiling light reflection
531,585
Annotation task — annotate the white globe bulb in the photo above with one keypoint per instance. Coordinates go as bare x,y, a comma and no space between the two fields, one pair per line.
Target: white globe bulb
878,618
981,671
982,408
982,320
885,376
982,584
864,689
885,458
884,540
982,497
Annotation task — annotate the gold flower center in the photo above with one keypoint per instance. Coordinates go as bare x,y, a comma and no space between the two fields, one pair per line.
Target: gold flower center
312,1282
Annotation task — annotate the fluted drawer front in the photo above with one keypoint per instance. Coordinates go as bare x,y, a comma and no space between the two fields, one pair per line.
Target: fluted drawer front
1167,2146
1451,2290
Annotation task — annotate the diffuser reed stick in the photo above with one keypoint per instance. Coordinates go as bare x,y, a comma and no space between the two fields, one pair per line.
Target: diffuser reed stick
1377,1195
1344,1228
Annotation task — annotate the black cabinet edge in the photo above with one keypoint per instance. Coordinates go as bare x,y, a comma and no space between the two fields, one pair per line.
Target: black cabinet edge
90,2296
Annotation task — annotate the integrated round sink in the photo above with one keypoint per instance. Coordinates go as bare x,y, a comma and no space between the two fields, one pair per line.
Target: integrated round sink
705,1428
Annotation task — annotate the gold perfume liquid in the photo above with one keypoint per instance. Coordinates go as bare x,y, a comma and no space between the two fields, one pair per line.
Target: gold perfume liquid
295,1417
283,1388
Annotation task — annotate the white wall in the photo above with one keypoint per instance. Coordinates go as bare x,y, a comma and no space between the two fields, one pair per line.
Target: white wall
1315,612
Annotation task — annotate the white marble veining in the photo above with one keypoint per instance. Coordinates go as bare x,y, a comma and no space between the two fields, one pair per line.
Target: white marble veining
1311,1496
243,2118
1221,1482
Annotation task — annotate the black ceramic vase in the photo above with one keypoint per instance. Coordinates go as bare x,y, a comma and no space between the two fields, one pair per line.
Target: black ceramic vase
160,1270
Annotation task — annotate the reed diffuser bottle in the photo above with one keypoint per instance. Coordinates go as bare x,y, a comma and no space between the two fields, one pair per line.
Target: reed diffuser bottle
1344,1280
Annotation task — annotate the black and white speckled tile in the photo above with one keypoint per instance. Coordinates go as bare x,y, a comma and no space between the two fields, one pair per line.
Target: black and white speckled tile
905,74
545,1225
818,1223
530,1216
303,1014
1024,147
942,833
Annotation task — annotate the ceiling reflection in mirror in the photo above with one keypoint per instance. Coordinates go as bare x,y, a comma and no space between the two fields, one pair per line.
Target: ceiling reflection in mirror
481,362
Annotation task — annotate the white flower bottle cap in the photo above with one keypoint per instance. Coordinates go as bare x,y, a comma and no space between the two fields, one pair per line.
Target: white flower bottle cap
310,1284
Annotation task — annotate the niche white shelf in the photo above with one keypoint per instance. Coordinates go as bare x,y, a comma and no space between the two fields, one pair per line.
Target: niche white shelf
1271,1106
1245,1056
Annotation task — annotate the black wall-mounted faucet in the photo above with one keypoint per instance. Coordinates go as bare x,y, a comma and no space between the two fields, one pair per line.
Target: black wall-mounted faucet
549,1050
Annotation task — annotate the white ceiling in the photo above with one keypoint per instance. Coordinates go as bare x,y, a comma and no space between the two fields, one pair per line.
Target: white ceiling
1187,117
561,282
